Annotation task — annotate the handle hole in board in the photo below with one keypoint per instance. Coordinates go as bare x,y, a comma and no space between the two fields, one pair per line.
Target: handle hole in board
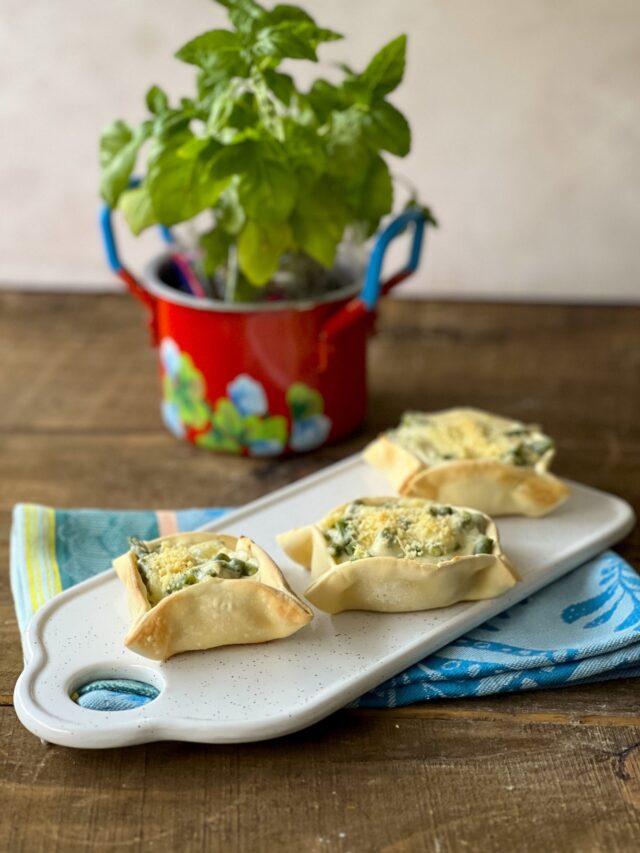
109,688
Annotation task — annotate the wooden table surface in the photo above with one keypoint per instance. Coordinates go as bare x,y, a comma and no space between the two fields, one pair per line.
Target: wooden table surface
540,771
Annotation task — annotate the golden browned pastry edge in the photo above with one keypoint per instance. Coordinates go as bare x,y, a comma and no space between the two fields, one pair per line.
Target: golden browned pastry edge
493,487
390,584
215,611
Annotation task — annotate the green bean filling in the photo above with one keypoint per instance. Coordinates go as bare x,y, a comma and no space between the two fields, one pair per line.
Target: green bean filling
160,568
403,533
440,438
221,566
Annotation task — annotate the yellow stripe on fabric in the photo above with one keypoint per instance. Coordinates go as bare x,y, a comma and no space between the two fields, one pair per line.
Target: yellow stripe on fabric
44,553
55,568
33,578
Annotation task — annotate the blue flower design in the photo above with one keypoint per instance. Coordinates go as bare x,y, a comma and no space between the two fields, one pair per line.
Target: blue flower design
171,418
170,357
248,396
310,432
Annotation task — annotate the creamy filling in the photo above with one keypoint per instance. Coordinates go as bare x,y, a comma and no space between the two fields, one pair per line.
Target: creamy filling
405,528
470,434
168,567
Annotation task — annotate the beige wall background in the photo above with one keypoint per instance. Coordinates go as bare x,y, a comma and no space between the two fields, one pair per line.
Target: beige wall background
525,114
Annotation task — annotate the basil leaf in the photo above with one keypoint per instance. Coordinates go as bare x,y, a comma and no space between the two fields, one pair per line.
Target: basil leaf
180,186
119,147
386,70
198,146
348,145
324,97
319,221
233,159
245,15
215,245
260,247
229,213
306,153
388,129
137,207
215,48
286,12
170,124
281,85
284,41
156,100
221,109
356,91
267,190
376,197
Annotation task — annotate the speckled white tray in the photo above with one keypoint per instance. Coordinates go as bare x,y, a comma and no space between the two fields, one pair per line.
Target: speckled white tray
247,693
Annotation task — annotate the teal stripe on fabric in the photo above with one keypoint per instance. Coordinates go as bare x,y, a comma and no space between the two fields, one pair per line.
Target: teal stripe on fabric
87,540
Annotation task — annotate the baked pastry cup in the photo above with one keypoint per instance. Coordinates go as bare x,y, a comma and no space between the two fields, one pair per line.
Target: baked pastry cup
473,458
201,590
399,554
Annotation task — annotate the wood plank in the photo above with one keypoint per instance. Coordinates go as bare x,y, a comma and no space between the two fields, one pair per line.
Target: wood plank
347,784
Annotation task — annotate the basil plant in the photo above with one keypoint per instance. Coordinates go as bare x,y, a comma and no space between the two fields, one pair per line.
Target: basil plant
282,173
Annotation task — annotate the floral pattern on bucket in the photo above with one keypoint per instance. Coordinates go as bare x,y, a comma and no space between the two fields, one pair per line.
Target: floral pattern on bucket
240,422
310,427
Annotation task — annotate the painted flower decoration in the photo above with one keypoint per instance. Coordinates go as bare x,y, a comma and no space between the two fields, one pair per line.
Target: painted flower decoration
184,389
240,422
310,432
248,396
171,419
310,427
233,432
170,357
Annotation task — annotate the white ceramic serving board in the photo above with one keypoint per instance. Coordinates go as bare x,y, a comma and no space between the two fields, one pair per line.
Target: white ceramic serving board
247,693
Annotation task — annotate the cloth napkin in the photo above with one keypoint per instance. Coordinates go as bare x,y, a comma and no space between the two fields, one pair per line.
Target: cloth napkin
584,627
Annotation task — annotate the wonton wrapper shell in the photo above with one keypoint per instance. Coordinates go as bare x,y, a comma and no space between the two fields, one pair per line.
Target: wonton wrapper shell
493,487
390,584
214,611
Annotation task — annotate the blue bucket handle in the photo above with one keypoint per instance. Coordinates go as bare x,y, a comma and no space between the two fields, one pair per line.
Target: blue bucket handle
373,286
108,234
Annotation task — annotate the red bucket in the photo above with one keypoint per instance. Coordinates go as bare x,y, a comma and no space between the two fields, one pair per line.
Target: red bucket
264,379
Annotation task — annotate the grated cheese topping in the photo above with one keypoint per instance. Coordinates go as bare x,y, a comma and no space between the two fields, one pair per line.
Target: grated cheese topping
406,528
470,434
169,566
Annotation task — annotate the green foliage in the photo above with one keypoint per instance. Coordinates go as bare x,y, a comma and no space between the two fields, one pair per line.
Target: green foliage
260,247
281,170
385,71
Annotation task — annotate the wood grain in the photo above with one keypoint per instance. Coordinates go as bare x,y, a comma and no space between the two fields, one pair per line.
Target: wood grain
351,783
547,770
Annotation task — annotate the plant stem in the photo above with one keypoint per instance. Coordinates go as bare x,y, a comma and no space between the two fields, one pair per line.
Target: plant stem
232,274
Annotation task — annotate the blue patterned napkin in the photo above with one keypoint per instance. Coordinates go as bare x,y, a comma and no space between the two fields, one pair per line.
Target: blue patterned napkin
585,627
